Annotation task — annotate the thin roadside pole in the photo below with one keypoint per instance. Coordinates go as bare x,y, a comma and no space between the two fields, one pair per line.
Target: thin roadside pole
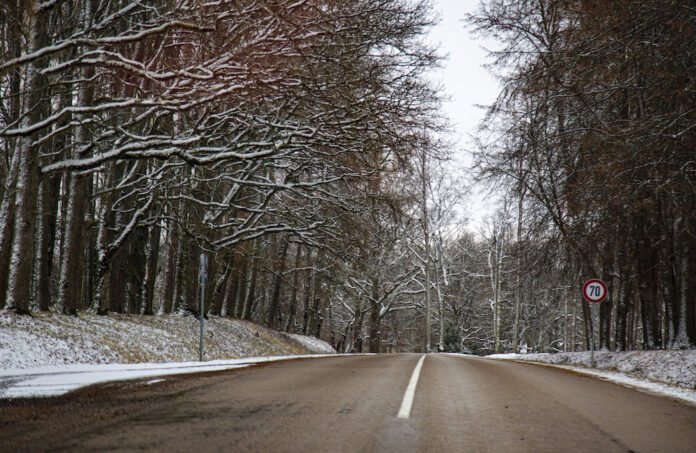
592,316
202,280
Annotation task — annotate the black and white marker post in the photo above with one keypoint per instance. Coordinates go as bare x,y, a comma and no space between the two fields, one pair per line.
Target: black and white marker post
202,281
594,291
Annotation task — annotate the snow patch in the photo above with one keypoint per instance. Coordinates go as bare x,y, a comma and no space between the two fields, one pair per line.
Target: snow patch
313,344
666,373
58,380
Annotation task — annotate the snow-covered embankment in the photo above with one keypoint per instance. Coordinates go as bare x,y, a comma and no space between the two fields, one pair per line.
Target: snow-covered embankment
669,373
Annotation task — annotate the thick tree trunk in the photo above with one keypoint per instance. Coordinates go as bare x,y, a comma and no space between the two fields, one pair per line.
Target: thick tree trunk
251,287
241,287
316,316
7,207
217,307
19,284
228,298
7,213
169,272
70,285
45,241
292,309
375,318
357,333
272,314
625,305
178,285
191,289
151,259
518,274
307,294
681,340
100,302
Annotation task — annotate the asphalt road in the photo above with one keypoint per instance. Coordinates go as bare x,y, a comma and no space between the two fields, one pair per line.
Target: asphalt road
350,404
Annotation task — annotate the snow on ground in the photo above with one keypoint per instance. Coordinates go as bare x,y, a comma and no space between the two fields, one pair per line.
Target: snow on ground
668,373
50,354
51,339
313,344
57,380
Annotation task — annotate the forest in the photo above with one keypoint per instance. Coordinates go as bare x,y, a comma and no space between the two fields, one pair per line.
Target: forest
300,145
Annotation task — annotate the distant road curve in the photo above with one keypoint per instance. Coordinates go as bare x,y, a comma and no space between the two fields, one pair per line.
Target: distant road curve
458,404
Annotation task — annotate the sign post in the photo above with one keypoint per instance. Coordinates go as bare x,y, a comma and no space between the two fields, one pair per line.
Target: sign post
202,281
594,291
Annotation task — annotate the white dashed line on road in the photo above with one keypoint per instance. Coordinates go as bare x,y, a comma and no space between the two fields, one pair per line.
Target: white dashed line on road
406,403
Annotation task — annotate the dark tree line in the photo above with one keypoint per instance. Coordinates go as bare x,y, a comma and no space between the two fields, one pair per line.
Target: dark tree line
594,135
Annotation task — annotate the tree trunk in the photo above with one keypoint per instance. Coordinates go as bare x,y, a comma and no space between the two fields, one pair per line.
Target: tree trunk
375,318
518,276
307,294
681,340
7,207
45,241
217,307
272,314
151,259
625,304
605,311
293,297
241,287
251,286
7,213
168,273
232,287
19,273
315,319
70,285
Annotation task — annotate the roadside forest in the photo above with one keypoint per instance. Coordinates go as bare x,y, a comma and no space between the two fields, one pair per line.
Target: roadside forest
300,145
593,139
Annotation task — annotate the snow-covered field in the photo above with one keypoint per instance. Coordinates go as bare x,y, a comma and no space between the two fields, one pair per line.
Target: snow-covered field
669,373
50,354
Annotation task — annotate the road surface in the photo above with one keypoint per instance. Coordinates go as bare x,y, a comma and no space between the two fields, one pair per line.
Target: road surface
460,404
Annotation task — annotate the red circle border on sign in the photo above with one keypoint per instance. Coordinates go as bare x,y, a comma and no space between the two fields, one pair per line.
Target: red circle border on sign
588,283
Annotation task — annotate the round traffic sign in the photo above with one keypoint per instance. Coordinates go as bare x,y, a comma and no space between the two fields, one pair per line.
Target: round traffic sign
595,290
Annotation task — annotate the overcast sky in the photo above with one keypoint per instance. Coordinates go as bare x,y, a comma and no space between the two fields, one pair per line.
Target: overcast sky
465,81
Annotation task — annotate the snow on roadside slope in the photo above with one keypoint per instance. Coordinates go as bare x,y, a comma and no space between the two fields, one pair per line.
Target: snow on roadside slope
313,344
668,373
46,339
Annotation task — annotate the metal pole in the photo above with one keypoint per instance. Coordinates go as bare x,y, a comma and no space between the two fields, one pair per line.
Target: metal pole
200,349
592,360
202,280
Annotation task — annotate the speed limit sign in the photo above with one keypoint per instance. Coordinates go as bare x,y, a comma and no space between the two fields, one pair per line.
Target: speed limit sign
595,290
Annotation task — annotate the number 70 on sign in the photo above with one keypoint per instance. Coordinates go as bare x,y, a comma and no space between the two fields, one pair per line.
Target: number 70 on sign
595,291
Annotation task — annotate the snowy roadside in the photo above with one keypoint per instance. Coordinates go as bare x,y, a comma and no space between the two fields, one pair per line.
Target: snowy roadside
46,339
666,373
49,354
58,380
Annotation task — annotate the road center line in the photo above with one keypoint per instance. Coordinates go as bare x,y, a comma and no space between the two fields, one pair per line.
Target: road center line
406,403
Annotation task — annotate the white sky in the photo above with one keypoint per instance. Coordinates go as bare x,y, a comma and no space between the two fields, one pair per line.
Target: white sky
467,83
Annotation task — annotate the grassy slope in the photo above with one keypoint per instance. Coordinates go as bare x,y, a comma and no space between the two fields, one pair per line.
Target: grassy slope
51,339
